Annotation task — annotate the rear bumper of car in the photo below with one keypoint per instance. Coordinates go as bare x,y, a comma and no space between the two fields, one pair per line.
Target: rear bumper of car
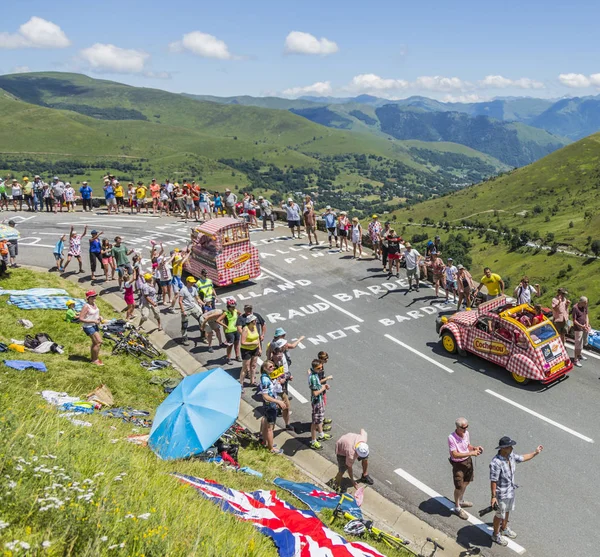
558,374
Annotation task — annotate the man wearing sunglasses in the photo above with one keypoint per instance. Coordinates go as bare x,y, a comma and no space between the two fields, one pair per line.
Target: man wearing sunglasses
461,453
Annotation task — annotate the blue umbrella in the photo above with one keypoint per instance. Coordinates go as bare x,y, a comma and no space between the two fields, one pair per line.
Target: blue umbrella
200,409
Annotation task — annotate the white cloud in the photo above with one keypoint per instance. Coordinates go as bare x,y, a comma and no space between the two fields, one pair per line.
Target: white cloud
298,42
158,75
372,82
111,58
202,44
35,33
595,79
574,80
438,83
21,69
501,82
320,88
472,98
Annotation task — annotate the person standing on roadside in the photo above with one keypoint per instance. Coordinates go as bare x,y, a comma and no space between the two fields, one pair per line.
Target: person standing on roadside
393,242
461,459
493,283
58,193
90,320
318,408
250,349
524,292
270,404
109,197
155,195
140,197
560,312
310,220
206,289
293,216
356,232
17,194
190,304
75,248
384,244
581,328
351,447
343,226
148,301
3,196
412,258
119,197
438,268
228,320
13,247
38,197
86,196
260,322
502,480
464,286
230,199
120,253
266,212
28,193
95,252
451,276
375,229
329,217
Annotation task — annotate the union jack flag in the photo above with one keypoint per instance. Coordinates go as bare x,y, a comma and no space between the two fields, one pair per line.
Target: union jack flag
295,532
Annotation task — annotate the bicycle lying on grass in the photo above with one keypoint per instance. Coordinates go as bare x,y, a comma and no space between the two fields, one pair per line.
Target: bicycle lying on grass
130,341
358,527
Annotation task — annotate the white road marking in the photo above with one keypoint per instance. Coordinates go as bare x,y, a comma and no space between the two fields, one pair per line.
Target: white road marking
533,413
291,389
424,356
34,244
282,279
90,225
161,233
584,352
355,317
111,218
450,505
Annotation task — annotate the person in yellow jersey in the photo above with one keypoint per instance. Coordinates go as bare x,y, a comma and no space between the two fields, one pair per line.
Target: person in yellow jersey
251,350
493,283
228,320
140,196
119,196
206,289
177,261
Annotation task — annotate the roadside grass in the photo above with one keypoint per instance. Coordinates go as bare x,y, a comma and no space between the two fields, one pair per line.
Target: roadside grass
87,490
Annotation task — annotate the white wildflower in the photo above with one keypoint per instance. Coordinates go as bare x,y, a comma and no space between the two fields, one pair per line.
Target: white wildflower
98,474
129,516
12,484
113,441
19,468
46,544
25,545
144,516
3,524
11,545
30,436
104,538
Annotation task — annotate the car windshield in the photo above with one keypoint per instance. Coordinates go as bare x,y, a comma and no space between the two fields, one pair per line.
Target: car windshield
542,333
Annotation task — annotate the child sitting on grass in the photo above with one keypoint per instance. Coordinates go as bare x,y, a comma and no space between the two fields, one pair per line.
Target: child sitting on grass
71,316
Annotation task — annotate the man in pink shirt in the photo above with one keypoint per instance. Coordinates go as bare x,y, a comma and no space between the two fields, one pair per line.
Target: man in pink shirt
461,451
348,448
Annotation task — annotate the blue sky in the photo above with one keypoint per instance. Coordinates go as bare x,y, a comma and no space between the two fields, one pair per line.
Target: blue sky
461,50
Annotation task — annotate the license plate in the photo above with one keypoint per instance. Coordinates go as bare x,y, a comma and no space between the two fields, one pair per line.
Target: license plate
556,368
241,279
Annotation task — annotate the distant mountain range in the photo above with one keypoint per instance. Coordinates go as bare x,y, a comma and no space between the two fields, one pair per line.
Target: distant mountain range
499,128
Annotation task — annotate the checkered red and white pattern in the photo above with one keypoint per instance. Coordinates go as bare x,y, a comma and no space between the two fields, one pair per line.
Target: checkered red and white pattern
523,359
224,262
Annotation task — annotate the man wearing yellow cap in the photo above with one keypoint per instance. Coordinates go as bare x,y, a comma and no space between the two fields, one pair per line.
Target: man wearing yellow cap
375,234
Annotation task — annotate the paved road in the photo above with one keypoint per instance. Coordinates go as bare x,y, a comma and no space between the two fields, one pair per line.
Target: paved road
392,378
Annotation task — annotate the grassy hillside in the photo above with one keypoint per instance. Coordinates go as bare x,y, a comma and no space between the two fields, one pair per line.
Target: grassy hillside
553,202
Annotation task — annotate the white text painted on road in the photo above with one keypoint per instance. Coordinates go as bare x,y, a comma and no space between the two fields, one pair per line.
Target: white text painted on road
304,311
533,413
424,356
340,309
450,505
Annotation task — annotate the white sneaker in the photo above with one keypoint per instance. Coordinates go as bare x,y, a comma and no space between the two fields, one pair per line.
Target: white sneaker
499,540
578,363
583,357
509,533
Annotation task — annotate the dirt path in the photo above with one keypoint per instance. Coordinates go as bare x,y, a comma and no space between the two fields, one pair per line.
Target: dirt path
63,154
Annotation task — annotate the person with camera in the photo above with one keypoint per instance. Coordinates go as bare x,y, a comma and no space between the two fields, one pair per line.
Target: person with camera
461,453
502,479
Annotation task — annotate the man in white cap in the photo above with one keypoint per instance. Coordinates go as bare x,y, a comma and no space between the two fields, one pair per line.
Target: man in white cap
266,212
230,199
348,448
293,216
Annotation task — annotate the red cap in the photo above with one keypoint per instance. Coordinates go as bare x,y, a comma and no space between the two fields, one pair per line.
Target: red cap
90,293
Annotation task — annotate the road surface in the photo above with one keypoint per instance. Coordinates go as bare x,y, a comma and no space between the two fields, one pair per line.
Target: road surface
392,378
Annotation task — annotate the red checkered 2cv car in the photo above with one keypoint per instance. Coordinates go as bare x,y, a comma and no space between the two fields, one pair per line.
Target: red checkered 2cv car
508,335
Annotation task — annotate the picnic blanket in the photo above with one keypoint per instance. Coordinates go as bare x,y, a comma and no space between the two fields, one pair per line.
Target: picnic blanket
35,292
24,364
44,302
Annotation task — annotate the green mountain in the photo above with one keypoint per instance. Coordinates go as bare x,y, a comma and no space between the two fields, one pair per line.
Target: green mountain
553,202
572,118
82,126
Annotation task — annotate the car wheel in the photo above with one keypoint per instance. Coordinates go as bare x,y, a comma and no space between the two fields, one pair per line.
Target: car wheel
520,379
449,342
